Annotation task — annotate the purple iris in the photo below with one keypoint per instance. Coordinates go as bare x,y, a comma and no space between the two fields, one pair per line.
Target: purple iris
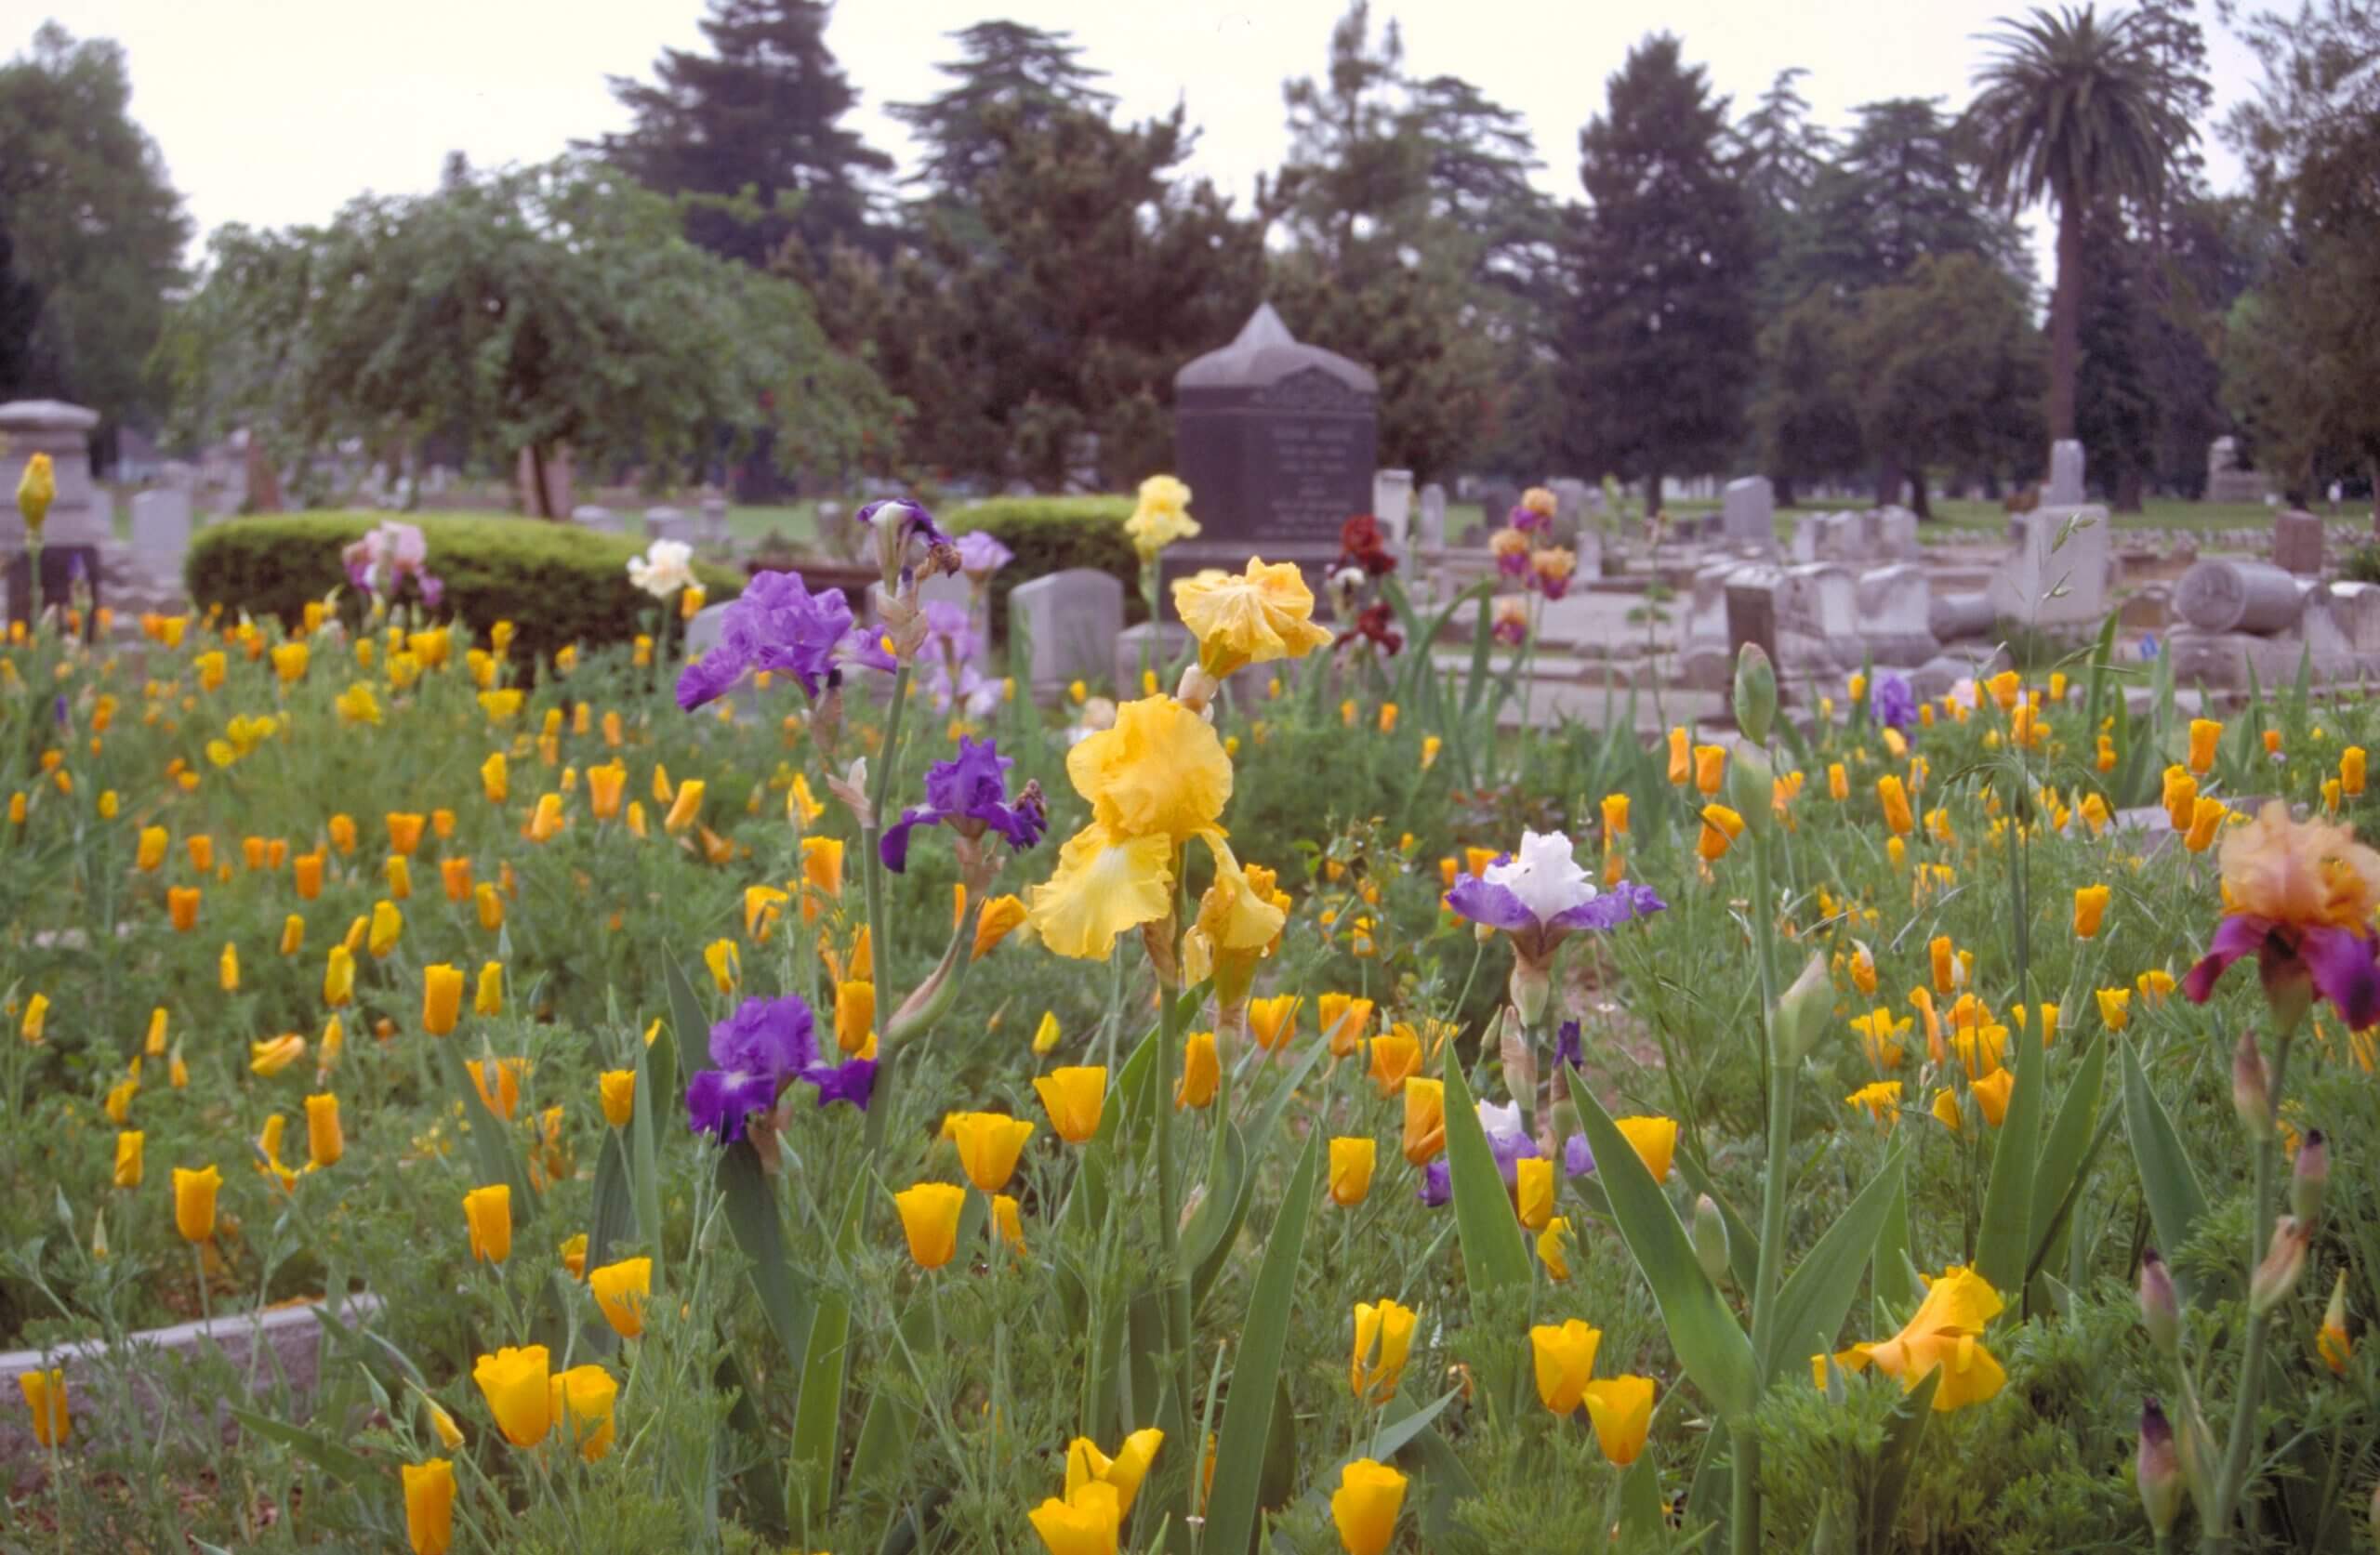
968,794
1510,1150
779,626
1577,1159
1568,1047
899,523
1438,1184
765,1044
2343,966
1896,704
979,554
1540,895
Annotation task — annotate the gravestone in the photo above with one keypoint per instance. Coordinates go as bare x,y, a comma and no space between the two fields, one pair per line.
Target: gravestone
1953,616
668,523
2227,481
1277,442
1392,505
2057,575
714,525
2297,542
1895,606
586,515
1748,515
161,530
1073,619
2065,488
78,517
1569,502
1751,618
1430,520
2222,594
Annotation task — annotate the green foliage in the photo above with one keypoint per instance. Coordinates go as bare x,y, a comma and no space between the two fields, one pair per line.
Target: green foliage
1664,255
1949,370
91,231
1050,534
592,324
749,135
557,583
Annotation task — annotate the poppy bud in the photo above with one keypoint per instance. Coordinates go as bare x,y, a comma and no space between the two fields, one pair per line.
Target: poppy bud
1803,1009
2313,1176
1755,693
1751,783
2250,1091
2284,1261
2160,1312
1710,1239
2160,1469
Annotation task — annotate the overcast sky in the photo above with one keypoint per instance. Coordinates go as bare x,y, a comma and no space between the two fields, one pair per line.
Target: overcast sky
276,112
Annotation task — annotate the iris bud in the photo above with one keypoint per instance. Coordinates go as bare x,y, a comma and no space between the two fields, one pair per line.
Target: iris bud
2161,1311
2160,1469
1755,695
1803,1010
2307,1186
2250,1091
2284,1261
1710,1239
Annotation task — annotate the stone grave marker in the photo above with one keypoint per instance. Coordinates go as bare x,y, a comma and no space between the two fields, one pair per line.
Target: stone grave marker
1751,618
1392,505
2226,595
1278,441
1073,619
1748,515
703,631
78,520
1569,502
2297,542
714,525
1430,516
2058,574
586,515
161,530
2065,488
668,523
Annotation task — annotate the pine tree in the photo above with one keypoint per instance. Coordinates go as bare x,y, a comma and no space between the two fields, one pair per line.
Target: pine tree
759,116
1031,74
1896,193
1666,258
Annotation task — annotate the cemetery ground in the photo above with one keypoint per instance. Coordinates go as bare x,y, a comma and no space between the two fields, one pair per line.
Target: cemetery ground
696,1181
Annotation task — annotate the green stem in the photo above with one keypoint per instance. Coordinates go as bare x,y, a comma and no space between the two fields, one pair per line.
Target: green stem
1744,1532
1168,1197
2231,1481
871,874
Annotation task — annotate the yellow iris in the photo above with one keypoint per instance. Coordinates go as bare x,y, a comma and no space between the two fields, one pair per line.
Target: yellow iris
1252,617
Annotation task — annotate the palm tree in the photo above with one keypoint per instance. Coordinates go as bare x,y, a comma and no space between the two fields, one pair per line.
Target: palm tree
2083,111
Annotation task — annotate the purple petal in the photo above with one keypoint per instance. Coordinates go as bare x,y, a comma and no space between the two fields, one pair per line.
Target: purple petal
1567,1047
1577,1160
893,845
2239,934
772,1038
2341,965
852,1080
1494,905
718,1100
1510,1150
709,677
1437,1183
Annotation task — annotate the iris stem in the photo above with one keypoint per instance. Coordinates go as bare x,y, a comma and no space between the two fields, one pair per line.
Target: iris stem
2230,1482
871,875
1745,1524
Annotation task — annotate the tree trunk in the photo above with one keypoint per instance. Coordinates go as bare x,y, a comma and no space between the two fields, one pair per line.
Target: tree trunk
1888,480
2065,316
538,481
2129,492
1921,501
1652,493
1784,484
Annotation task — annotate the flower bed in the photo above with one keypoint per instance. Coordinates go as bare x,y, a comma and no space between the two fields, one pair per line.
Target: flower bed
913,1120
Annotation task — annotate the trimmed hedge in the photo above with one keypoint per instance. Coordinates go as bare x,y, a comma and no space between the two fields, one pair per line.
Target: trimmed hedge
1049,534
555,583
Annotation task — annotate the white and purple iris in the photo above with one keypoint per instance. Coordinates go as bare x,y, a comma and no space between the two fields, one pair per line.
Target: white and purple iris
1540,896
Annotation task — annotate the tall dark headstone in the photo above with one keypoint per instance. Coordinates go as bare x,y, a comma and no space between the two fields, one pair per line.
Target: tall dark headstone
1278,442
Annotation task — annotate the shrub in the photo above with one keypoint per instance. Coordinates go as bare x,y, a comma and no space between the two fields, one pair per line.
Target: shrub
555,583
1051,533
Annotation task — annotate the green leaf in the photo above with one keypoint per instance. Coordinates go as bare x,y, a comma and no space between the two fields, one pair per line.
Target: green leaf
1706,1493
818,1409
1893,1280
762,1493
686,1031
2176,1203
2065,1148
1816,1297
1207,1267
654,1100
1247,1412
1643,1517
2003,1242
1494,1256
1710,1346
2103,655
611,1221
1279,1479
340,1462
1399,1425
1214,1225
881,1450
1897,1461
750,1201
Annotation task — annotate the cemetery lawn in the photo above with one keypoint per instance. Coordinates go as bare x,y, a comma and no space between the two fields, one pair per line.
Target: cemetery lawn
2161,512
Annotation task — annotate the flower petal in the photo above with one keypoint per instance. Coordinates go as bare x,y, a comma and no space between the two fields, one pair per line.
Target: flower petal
2343,966
2239,934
